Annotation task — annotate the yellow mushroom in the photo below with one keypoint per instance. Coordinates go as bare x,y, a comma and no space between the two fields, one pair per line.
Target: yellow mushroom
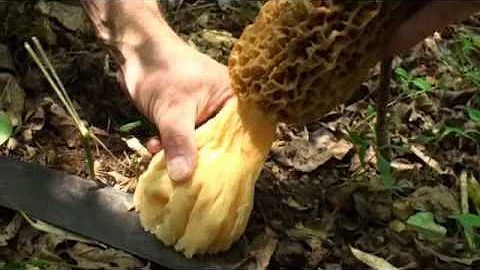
296,62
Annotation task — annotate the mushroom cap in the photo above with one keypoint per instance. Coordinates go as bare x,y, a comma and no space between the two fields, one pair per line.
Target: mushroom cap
301,59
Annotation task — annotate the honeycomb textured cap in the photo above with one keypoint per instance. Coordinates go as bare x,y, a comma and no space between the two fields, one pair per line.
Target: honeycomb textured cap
301,59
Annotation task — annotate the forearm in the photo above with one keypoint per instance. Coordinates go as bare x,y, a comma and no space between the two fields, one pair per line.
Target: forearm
434,16
129,27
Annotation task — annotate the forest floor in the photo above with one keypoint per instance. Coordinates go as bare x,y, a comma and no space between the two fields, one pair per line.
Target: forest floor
322,194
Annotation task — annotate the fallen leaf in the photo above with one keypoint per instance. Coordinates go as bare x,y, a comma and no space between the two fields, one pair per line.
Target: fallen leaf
416,149
12,144
402,209
123,183
6,62
134,144
439,200
295,204
70,16
262,248
301,155
302,233
397,226
12,98
315,237
426,227
32,243
35,119
474,190
290,254
400,165
372,260
319,252
370,159
90,257
306,155
466,261
51,229
11,229
59,119
5,127
341,148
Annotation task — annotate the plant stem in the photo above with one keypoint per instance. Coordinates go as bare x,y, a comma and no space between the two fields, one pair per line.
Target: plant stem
383,95
62,94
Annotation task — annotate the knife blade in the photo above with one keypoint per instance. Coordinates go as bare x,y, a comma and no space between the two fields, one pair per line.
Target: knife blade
99,213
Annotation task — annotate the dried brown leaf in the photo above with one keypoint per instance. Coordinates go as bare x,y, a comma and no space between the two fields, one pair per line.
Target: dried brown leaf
62,122
439,200
291,202
403,165
70,16
12,98
370,159
32,243
90,257
446,258
6,61
341,148
307,154
11,229
263,247
371,260
434,164
138,147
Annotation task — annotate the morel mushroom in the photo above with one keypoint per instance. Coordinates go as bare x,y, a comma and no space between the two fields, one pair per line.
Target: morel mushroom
296,62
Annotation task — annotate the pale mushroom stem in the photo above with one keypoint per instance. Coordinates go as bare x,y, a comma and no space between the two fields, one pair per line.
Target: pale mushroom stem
208,213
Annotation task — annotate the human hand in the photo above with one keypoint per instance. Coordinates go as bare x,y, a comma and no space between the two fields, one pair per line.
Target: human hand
174,85
175,92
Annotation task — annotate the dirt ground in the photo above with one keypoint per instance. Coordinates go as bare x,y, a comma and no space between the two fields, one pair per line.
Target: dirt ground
322,194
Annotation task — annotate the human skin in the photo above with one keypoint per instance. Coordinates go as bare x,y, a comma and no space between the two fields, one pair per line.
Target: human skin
179,88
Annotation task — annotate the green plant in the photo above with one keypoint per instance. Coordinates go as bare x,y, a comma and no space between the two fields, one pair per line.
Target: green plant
414,85
5,127
473,114
461,55
46,66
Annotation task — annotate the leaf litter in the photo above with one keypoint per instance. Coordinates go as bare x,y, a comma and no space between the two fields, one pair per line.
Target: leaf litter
320,202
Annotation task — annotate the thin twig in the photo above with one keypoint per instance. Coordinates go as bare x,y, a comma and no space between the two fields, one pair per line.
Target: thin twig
383,95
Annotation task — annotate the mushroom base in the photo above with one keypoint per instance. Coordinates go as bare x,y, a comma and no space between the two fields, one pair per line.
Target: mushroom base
210,211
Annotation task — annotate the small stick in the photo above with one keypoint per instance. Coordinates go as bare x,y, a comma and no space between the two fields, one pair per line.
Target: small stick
61,92
383,95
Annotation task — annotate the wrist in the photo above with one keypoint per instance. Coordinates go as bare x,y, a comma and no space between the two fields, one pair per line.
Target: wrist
130,30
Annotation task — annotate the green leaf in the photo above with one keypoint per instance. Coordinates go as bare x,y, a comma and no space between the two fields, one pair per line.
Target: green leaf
385,171
424,139
5,127
473,75
458,132
401,149
371,110
130,126
422,84
426,227
467,44
468,220
361,143
402,74
473,114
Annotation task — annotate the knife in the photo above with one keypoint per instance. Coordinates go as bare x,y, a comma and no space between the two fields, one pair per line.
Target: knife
96,212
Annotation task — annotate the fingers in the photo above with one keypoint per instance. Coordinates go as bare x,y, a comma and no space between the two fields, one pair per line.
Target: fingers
177,133
154,145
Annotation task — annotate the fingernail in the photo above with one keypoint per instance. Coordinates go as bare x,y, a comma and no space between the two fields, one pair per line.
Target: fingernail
178,168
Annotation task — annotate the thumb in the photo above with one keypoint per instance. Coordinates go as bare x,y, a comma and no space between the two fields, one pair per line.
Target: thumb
177,134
